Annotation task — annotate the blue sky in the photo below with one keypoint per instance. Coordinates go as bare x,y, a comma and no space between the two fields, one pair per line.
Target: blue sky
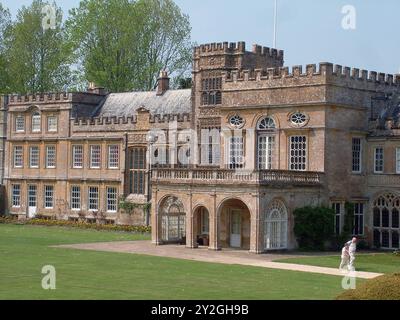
309,31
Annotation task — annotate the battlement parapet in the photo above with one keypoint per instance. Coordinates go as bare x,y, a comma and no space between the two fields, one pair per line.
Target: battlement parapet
239,47
40,98
184,117
125,122
324,72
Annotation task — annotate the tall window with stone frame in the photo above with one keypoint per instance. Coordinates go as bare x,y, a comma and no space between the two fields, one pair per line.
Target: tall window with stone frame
48,196
20,123
113,156
112,199
34,157
236,152
36,122
356,155
398,160
52,124
298,153
93,198
265,143
378,160
337,208
51,157
211,88
95,156
16,195
75,198
77,156
358,229
137,170
18,157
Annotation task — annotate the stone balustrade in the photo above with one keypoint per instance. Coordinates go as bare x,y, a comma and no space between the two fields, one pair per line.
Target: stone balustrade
225,176
384,180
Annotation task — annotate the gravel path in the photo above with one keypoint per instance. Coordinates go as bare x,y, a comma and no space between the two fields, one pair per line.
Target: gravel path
225,256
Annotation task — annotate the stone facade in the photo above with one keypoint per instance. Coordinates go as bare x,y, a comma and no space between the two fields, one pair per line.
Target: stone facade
224,164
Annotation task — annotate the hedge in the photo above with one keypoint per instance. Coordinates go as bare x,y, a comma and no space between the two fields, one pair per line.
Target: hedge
74,224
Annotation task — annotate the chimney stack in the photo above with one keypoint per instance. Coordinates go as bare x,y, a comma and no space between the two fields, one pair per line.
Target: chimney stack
163,83
95,89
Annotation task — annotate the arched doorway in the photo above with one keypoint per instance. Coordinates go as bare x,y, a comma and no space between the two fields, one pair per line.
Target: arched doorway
201,227
386,217
173,220
275,226
234,225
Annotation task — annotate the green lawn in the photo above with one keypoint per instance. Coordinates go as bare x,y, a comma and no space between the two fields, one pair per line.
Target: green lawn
372,262
24,250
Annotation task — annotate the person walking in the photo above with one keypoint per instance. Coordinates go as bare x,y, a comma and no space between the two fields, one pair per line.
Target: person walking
345,257
352,252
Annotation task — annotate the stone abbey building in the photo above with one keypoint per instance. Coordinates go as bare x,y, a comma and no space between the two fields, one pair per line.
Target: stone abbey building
223,164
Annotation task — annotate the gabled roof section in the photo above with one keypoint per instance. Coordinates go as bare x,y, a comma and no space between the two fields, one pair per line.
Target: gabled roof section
127,104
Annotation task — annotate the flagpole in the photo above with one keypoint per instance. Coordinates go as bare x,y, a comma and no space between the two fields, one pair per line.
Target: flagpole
275,23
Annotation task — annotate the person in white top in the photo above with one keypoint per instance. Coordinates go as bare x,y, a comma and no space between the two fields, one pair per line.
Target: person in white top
352,252
345,257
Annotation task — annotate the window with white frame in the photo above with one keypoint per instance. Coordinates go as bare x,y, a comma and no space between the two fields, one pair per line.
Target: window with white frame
77,156
95,156
236,152
50,157
398,160
52,125
93,198
137,170
36,122
48,197
378,157
298,153
337,208
34,157
265,151
113,156
16,195
112,199
358,219
75,197
356,156
20,123
18,156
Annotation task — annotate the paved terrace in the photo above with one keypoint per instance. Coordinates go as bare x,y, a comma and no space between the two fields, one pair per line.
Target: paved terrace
225,256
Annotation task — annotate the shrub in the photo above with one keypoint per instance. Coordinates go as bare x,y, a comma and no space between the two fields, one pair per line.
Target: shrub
313,226
386,287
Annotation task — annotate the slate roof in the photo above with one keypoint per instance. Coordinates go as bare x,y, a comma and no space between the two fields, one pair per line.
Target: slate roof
126,104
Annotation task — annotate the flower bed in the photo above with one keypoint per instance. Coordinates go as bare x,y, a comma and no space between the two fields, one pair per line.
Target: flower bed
74,224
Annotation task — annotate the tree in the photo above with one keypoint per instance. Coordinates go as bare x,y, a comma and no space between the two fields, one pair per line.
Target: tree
122,44
37,57
313,226
5,22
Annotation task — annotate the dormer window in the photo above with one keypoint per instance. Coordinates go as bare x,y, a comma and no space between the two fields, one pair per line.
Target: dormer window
36,122
20,123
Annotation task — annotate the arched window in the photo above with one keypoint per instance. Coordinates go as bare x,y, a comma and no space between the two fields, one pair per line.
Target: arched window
386,210
173,222
265,143
275,226
36,122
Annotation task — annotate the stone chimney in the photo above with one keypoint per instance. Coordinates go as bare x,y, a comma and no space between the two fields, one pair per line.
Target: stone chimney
163,83
96,89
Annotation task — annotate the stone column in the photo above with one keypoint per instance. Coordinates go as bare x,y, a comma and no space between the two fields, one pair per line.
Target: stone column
155,223
190,233
255,226
214,225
